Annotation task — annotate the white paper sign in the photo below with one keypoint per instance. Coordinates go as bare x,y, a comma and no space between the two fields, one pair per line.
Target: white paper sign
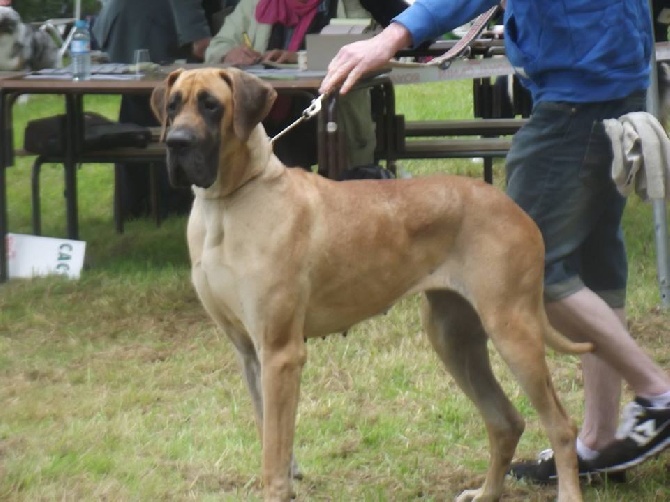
32,256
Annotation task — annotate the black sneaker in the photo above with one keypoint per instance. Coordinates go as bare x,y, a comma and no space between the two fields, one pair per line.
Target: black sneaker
543,470
643,433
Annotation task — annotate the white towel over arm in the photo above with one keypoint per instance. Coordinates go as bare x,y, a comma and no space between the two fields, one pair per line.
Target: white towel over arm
641,151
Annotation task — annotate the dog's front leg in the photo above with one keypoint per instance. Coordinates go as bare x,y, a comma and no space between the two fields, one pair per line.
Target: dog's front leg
282,367
251,368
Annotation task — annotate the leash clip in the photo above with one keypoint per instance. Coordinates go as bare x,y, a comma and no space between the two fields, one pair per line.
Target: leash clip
314,107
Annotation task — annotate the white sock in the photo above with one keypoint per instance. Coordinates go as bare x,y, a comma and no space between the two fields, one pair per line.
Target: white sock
660,401
584,452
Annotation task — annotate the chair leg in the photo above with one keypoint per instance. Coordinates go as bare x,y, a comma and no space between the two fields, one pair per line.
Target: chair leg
488,170
392,165
118,200
154,188
35,189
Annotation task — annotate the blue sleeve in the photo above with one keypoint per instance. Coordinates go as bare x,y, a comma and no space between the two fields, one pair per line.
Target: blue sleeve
429,19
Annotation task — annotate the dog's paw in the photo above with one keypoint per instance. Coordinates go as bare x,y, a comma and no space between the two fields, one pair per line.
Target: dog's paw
475,496
295,473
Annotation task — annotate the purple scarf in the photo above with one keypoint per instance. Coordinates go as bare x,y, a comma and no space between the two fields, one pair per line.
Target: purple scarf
292,13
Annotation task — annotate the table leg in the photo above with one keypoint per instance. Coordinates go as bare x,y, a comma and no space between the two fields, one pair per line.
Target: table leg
74,132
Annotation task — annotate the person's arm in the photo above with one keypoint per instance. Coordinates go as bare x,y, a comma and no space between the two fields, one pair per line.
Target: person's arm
231,36
356,59
420,21
430,19
192,26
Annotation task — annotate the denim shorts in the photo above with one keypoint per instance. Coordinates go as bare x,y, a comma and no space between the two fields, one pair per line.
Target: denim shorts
558,171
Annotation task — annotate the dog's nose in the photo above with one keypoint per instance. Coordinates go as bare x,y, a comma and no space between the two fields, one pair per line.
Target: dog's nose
180,138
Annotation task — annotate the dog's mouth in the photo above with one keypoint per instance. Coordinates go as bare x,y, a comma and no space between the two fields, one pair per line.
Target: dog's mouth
191,160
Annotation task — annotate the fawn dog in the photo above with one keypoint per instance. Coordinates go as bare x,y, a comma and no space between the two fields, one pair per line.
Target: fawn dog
282,255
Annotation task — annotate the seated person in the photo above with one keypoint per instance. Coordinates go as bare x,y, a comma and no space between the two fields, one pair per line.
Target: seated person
274,30
171,29
383,11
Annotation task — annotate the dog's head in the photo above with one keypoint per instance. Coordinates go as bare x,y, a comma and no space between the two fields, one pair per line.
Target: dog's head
9,21
207,115
10,48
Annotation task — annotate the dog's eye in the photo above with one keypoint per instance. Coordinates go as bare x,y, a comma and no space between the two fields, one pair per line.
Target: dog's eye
210,104
172,107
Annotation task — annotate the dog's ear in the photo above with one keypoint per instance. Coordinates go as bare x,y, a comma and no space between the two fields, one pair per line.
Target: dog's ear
44,53
252,100
159,99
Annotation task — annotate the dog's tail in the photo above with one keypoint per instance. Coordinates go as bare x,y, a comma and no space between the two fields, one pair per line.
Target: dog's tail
557,341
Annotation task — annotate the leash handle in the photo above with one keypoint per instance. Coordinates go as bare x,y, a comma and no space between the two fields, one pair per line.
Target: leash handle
461,47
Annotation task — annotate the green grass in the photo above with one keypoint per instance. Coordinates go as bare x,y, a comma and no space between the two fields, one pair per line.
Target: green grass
118,387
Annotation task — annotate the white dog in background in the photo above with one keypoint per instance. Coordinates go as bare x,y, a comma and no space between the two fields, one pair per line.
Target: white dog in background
22,46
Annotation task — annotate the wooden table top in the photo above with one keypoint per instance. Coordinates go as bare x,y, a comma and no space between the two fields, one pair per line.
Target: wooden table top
25,82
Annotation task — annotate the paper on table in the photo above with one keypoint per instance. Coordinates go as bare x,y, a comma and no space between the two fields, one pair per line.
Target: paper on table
68,76
283,73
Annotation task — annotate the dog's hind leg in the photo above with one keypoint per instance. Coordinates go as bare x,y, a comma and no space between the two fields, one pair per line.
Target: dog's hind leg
516,330
457,335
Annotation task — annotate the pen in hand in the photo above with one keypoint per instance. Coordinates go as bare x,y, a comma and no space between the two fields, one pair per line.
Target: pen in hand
243,54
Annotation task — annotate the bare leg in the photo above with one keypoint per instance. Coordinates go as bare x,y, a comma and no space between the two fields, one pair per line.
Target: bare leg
585,316
602,396
602,390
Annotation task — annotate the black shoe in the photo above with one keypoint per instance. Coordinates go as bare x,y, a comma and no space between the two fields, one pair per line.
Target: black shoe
543,470
643,433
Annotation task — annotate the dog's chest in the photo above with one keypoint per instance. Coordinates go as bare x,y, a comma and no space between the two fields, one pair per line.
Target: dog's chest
8,60
219,287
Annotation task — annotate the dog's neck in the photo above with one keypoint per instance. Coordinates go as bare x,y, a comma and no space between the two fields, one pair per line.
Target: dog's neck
241,164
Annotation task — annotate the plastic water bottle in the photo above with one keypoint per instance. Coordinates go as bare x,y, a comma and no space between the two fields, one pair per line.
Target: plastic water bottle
80,50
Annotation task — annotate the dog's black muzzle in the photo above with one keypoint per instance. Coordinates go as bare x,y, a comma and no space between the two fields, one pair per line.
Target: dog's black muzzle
8,25
191,159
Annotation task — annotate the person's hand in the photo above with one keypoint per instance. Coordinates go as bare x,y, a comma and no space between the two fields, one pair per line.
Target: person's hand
199,47
280,56
356,59
241,56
